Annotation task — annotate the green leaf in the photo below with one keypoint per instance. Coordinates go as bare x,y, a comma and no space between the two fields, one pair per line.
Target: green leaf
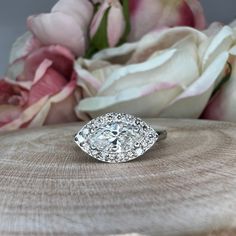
224,80
90,52
100,39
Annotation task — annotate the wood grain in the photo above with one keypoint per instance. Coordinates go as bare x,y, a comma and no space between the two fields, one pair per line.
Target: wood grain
186,185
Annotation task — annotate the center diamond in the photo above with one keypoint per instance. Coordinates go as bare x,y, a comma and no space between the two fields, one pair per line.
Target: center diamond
115,138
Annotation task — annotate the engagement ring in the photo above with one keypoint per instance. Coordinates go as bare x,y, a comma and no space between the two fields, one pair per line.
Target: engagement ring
117,137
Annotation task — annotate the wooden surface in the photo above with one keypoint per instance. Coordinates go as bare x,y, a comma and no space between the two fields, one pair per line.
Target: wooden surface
184,186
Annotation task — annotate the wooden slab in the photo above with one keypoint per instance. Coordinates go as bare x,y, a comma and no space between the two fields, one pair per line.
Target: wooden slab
184,186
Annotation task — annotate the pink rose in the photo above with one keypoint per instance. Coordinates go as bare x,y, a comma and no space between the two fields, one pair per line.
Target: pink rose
44,90
148,15
66,25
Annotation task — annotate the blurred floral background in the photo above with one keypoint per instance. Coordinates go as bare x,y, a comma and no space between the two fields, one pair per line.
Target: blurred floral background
151,58
13,27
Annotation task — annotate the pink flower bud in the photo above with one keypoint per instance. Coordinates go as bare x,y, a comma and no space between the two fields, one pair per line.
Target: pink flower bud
115,21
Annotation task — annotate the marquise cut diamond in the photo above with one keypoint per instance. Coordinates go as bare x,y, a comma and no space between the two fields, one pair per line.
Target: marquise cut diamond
116,137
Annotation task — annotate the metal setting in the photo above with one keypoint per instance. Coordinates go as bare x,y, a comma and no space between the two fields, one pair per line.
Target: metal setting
117,137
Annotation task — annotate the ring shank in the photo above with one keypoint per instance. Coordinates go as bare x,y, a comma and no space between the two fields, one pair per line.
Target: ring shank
162,134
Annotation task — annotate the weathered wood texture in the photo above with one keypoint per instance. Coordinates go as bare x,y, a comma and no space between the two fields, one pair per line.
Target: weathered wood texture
184,186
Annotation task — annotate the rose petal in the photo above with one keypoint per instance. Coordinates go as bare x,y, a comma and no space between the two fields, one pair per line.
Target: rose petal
232,51
25,116
137,100
42,69
130,53
118,55
15,70
48,29
161,67
148,15
92,74
23,46
61,57
9,88
213,29
81,10
86,80
22,84
218,44
223,105
199,20
115,21
63,111
198,93
49,84
8,113
144,17
66,25
127,76
58,108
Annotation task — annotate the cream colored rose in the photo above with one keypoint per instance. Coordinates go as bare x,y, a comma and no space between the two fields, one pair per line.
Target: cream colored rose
222,106
171,73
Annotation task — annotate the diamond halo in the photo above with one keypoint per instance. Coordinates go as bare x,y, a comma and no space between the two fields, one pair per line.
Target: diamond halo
116,137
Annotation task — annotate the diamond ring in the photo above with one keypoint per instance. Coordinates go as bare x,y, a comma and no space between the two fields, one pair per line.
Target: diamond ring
117,137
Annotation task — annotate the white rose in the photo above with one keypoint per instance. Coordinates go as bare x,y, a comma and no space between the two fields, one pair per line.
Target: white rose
169,73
